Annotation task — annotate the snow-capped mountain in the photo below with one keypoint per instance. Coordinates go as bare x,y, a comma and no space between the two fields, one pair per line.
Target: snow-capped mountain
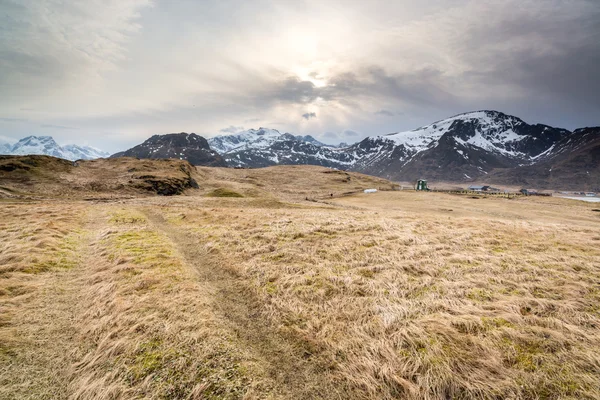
463,147
5,147
573,163
45,145
255,139
263,147
312,140
183,146
76,152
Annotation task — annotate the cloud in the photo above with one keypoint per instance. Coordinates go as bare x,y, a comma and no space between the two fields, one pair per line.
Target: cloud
349,132
385,113
7,140
94,64
13,119
57,127
232,129
47,46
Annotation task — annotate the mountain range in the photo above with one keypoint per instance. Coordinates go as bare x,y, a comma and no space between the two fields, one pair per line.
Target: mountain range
476,146
482,146
45,145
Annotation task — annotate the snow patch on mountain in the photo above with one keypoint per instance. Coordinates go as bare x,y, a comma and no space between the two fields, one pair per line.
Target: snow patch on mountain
76,152
256,139
252,138
493,131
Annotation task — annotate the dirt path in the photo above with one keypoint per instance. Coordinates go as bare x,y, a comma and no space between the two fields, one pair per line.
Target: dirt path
293,371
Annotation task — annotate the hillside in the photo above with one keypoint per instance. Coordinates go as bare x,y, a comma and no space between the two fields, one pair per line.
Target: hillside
181,146
45,176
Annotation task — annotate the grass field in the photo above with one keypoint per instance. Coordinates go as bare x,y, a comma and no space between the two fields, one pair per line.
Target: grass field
261,285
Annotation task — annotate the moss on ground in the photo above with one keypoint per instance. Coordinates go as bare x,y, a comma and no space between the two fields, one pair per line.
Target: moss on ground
222,192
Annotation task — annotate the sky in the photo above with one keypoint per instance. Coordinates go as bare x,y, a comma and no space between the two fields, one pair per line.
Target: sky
111,73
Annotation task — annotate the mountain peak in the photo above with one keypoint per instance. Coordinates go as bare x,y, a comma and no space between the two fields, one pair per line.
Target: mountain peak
184,146
45,145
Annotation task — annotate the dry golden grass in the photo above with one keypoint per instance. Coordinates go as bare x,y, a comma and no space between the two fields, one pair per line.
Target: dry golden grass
392,295
423,304
288,182
39,252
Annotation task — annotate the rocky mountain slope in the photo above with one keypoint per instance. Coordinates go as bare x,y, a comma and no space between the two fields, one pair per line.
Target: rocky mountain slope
467,147
182,146
573,164
461,148
45,145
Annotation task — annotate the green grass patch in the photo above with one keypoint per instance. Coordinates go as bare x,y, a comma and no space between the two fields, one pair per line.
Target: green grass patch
63,256
222,192
124,217
145,247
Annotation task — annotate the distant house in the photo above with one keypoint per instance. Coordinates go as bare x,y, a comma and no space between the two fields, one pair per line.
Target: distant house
421,185
529,192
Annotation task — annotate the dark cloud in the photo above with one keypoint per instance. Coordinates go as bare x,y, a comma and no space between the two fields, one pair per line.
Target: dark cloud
385,113
294,90
232,129
349,132
424,87
540,65
308,116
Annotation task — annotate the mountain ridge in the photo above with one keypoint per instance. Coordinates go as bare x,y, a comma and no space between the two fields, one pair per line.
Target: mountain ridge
463,148
46,145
